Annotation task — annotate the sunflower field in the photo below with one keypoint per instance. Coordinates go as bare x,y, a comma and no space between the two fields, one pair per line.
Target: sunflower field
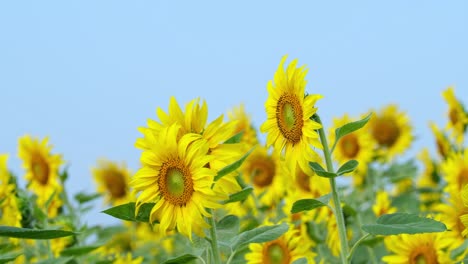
214,192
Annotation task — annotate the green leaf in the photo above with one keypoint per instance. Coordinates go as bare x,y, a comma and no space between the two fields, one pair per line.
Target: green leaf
64,175
16,232
349,166
228,227
77,251
320,171
181,259
127,212
239,196
5,259
310,204
259,235
351,127
300,261
402,223
61,260
235,139
85,197
232,167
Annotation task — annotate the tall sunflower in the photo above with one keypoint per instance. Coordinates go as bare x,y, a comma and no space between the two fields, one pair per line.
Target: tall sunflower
458,117
455,171
357,145
175,176
289,127
42,171
194,120
418,248
112,180
391,130
284,250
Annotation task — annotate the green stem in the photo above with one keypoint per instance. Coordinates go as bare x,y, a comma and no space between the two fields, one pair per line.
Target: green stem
336,198
351,252
214,238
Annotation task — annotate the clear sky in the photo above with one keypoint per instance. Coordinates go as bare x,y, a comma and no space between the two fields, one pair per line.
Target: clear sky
88,73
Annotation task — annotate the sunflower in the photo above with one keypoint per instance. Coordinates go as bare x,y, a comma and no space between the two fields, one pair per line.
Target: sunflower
357,145
442,142
284,250
455,171
42,168
194,120
464,217
391,130
264,172
9,210
175,176
112,180
429,179
244,125
418,248
383,204
458,118
289,127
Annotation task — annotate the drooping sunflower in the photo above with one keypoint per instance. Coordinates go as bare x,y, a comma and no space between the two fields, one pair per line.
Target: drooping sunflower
263,170
382,204
194,120
458,117
175,176
289,127
441,140
391,130
9,210
417,248
358,146
42,171
244,125
455,171
284,250
112,180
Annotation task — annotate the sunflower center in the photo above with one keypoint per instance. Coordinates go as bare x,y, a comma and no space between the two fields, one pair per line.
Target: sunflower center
386,131
350,145
115,184
289,117
423,255
40,169
276,253
263,171
453,116
175,182
463,178
303,180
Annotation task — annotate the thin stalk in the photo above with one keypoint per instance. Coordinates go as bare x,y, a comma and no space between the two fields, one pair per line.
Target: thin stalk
214,238
351,252
336,198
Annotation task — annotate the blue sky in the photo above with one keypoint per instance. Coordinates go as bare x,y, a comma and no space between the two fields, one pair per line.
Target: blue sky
88,73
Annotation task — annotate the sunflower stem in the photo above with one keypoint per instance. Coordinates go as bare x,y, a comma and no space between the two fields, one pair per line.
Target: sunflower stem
336,198
214,238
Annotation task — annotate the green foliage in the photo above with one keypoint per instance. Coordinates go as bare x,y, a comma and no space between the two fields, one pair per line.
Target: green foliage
310,204
349,166
77,251
350,127
320,171
239,196
232,167
127,212
82,197
235,139
16,232
181,259
402,223
259,235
